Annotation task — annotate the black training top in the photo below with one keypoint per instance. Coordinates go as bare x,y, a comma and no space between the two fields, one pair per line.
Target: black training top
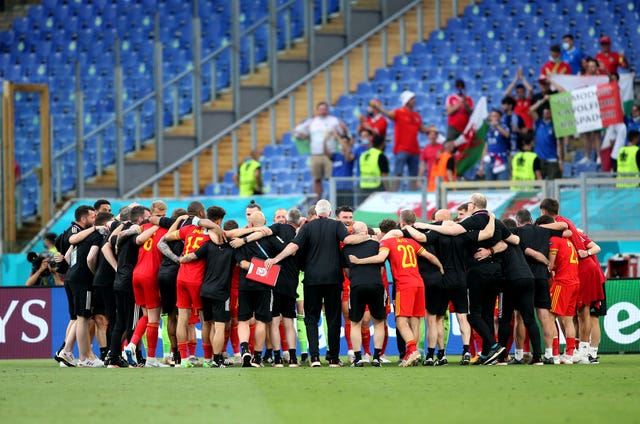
514,265
536,238
220,261
452,252
478,221
127,260
105,274
287,283
367,274
319,242
255,249
79,272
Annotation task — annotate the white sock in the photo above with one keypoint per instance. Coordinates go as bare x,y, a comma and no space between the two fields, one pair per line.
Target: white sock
519,354
583,347
593,351
548,353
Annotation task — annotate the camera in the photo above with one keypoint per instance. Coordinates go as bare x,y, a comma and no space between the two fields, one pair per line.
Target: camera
36,260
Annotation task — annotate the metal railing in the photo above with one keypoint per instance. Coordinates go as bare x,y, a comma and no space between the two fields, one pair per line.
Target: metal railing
288,95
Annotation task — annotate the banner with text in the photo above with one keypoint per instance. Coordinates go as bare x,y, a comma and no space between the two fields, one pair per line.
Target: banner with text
586,109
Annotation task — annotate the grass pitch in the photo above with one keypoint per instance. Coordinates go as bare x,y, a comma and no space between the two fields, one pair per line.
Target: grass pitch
40,391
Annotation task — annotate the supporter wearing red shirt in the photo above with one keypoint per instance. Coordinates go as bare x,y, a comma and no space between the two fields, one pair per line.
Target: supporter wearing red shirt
555,65
408,124
373,121
459,107
608,60
430,153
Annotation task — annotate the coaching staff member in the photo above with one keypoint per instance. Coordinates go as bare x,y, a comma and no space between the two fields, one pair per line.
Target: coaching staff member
320,241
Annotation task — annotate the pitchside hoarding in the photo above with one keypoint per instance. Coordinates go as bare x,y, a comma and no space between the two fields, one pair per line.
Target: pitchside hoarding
33,322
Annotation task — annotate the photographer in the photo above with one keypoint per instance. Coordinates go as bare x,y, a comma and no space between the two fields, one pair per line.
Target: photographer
43,270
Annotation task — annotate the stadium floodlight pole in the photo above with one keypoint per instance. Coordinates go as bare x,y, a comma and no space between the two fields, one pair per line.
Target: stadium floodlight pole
117,79
235,57
197,75
79,102
159,100
273,46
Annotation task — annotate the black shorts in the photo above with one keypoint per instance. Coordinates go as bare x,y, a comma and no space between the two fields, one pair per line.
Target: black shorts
375,297
541,294
215,310
255,303
98,305
70,303
436,300
283,305
599,308
459,298
104,296
81,294
167,285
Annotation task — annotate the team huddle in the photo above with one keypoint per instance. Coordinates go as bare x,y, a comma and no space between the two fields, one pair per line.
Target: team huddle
265,289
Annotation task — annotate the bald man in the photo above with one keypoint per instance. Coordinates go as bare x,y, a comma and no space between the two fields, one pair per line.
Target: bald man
254,298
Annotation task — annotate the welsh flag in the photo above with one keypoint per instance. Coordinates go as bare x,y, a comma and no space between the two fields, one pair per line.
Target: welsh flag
471,142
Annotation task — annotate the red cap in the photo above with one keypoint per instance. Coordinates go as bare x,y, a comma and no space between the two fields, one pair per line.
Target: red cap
605,40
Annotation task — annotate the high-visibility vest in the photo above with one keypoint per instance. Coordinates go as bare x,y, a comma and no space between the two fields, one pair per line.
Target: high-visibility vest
370,170
627,164
440,170
522,169
247,178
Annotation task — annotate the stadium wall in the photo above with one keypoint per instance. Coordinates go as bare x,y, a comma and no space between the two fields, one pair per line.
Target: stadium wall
33,322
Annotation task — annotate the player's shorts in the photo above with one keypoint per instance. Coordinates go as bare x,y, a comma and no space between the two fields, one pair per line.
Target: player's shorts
256,303
599,307
70,302
541,295
167,286
81,294
146,292
346,287
373,297
188,295
435,299
458,298
410,302
321,167
591,280
215,310
98,305
194,318
283,305
564,299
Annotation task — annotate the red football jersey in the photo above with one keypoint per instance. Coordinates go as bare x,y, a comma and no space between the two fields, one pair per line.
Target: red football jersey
149,257
403,258
194,237
577,241
566,265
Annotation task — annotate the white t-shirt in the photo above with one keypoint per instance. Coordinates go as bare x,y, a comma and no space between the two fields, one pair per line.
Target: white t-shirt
318,129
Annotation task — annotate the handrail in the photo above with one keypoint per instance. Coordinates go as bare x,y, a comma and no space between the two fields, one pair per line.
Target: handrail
48,226
231,128
169,83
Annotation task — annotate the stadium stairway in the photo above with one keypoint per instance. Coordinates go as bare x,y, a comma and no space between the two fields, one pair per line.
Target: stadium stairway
293,64
339,85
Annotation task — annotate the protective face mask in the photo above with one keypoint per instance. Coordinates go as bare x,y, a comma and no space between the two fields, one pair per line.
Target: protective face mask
546,121
551,59
565,46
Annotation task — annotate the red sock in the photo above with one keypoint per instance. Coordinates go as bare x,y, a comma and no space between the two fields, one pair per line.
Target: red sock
283,337
555,347
571,346
183,348
509,343
347,333
152,338
576,343
233,336
526,346
386,339
252,335
141,326
411,346
366,340
476,341
208,350
192,347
